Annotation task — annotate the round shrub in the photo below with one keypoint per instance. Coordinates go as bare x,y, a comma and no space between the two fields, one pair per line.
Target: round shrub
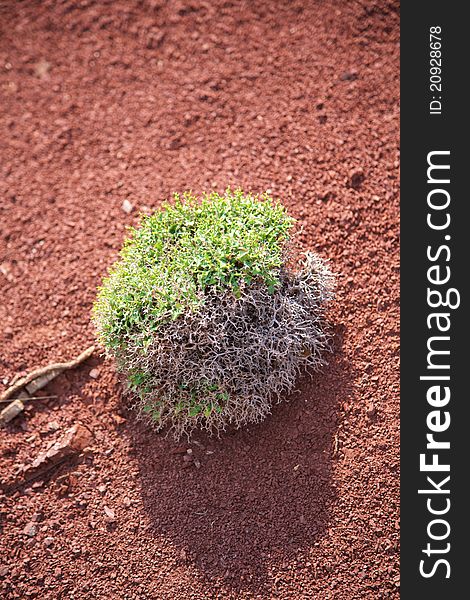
205,317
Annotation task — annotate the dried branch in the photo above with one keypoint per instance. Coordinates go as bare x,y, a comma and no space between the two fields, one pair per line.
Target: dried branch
31,398
44,375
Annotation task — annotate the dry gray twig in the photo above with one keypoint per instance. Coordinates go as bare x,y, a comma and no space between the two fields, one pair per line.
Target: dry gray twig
43,375
34,381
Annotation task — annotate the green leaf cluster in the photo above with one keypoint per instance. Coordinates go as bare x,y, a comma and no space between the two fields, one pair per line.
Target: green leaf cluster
179,253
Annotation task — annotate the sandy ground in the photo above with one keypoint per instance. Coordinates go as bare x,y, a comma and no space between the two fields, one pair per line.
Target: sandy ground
131,100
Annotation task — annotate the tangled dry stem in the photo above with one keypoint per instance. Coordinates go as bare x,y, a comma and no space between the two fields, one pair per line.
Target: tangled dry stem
236,356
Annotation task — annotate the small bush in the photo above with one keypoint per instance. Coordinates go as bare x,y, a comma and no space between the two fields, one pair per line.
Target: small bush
203,315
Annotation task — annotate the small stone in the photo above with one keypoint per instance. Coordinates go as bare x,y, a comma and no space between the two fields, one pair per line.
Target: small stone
74,440
94,373
4,570
53,426
48,542
118,419
188,119
102,489
42,68
30,529
110,515
127,206
8,332
6,271
155,39
371,410
11,411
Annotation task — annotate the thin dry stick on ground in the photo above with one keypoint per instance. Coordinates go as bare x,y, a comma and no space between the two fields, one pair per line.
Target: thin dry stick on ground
34,381
31,398
44,373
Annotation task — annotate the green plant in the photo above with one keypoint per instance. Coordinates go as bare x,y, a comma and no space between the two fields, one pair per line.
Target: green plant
203,316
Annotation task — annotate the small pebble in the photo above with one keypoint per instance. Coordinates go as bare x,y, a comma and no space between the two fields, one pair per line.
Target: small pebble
118,419
110,515
30,529
127,206
4,570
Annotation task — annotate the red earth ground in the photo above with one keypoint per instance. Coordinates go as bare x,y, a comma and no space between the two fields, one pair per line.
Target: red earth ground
108,101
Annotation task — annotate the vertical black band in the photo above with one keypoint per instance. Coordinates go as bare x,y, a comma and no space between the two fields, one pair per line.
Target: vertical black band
434,257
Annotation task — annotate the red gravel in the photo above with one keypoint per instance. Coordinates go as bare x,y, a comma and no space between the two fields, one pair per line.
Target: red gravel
108,101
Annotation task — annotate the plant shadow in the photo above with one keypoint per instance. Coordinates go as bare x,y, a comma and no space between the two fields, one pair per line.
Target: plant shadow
236,505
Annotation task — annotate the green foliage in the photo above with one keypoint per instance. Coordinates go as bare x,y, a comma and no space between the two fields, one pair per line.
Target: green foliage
181,252
205,318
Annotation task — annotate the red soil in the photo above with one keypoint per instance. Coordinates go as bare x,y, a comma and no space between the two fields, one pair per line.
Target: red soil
107,101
